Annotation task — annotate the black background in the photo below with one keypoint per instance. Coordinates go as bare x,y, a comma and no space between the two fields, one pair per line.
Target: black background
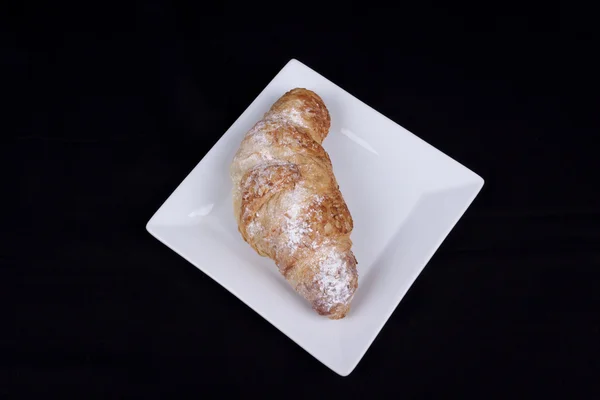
108,107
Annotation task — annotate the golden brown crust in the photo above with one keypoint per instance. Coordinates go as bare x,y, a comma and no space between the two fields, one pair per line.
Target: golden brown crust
288,205
313,111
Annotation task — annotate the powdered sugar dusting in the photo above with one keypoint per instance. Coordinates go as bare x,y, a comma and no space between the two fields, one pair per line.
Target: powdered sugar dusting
258,135
289,115
333,278
254,228
300,206
295,226
261,143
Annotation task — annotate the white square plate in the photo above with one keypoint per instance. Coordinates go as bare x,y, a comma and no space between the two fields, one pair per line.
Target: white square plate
404,196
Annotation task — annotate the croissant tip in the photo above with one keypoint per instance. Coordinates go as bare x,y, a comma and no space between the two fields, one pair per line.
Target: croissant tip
339,313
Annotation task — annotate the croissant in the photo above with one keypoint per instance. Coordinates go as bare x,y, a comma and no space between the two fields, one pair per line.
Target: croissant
288,205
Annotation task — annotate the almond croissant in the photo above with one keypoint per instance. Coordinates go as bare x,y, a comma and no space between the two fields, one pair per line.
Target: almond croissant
288,205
